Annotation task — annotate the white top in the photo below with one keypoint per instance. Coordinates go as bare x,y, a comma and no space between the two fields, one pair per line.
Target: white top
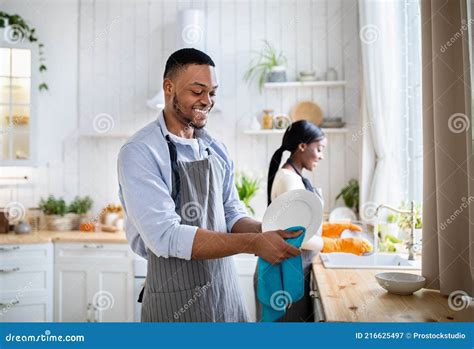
192,142
286,180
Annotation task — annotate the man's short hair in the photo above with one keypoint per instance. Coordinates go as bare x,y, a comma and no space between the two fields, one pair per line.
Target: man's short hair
179,59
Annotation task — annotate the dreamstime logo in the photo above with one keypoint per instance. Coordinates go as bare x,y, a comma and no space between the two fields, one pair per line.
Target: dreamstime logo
15,212
367,212
200,291
280,300
465,204
103,123
458,34
103,300
14,34
369,34
192,211
459,300
192,34
458,123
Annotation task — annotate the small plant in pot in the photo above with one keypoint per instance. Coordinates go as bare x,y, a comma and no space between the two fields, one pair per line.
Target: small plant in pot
79,208
55,211
350,195
269,66
247,189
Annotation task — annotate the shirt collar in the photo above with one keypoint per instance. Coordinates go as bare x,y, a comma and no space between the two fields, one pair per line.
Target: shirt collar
201,134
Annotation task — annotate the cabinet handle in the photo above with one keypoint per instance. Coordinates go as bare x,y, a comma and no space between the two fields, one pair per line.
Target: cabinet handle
93,246
88,312
9,270
96,314
7,249
11,303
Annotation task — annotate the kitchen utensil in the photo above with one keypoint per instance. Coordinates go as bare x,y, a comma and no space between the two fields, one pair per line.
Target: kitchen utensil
342,214
402,284
294,208
281,121
307,75
331,74
335,124
22,228
267,120
307,110
4,223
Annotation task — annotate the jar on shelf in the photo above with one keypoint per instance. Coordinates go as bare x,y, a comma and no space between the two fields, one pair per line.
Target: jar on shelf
267,120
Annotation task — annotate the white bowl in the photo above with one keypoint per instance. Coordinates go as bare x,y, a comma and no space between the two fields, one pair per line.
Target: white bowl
403,284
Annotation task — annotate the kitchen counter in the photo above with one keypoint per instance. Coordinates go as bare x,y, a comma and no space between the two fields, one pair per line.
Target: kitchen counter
62,236
353,295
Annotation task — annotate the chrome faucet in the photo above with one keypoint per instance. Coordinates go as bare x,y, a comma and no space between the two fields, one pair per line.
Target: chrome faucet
412,213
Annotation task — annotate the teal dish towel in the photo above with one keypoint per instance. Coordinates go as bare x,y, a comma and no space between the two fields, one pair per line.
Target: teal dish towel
279,285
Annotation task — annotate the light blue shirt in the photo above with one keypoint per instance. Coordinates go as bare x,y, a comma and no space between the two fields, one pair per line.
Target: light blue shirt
145,185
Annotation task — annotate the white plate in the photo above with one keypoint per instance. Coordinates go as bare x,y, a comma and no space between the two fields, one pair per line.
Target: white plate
295,208
342,214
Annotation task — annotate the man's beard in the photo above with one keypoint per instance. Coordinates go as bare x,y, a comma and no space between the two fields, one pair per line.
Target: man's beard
182,117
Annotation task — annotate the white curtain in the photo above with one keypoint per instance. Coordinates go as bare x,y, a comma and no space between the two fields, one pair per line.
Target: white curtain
386,111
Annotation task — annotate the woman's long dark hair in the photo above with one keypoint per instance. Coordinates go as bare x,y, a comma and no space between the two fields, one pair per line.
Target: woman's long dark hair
301,131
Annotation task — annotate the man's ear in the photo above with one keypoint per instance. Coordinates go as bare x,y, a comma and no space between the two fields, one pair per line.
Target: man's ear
168,87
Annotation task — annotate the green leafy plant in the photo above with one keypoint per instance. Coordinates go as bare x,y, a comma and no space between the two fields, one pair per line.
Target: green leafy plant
404,220
80,205
247,188
53,206
350,195
19,30
261,66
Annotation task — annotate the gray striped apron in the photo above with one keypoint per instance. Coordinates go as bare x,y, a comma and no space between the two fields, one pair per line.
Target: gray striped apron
179,290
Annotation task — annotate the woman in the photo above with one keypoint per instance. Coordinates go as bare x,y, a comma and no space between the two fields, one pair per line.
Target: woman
306,143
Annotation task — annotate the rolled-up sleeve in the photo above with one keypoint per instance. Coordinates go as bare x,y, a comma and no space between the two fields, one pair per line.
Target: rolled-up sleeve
234,208
150,210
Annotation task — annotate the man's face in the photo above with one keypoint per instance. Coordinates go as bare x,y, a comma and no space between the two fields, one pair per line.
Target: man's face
192,92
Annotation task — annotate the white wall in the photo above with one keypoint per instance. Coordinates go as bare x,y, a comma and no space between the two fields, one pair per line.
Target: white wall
113,60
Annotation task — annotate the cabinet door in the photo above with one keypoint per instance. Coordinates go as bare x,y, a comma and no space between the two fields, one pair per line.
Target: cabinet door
112,294
24,309
245,266
72,282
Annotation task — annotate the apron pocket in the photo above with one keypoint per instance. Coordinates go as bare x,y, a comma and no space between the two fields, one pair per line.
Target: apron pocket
193,305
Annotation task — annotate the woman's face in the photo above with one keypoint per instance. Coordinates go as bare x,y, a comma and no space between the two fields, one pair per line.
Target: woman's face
313,153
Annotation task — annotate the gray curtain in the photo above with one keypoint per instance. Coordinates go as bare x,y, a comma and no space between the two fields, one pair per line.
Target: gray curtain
447,134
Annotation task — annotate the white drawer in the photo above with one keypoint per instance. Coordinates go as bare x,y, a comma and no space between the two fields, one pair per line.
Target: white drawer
26,254
26,281
92,253
24,309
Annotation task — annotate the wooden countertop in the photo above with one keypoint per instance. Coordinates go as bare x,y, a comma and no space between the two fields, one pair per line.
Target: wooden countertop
353,295
62,236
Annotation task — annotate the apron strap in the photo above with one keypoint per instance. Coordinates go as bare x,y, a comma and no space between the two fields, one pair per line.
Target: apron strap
306,182
174,169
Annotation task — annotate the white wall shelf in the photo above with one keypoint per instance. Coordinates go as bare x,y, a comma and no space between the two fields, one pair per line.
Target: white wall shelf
293,84
279,132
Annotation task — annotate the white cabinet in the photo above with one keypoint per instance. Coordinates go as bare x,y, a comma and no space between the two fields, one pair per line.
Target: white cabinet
93,282
18,119
26,282
245,265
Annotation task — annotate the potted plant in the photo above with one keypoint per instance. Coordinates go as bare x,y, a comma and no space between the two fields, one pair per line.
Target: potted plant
15,29
79,208
350,195
268,66
247,188
55,214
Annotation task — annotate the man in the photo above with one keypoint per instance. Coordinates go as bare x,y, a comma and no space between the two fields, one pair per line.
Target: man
182,210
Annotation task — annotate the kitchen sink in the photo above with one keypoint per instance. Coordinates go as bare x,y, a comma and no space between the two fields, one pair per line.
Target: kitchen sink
341,260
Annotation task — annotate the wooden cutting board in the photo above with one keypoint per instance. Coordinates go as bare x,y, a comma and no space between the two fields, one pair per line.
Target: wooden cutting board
307,110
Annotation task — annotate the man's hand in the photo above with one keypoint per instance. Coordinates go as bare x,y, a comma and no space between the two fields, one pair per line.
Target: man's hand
272,247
